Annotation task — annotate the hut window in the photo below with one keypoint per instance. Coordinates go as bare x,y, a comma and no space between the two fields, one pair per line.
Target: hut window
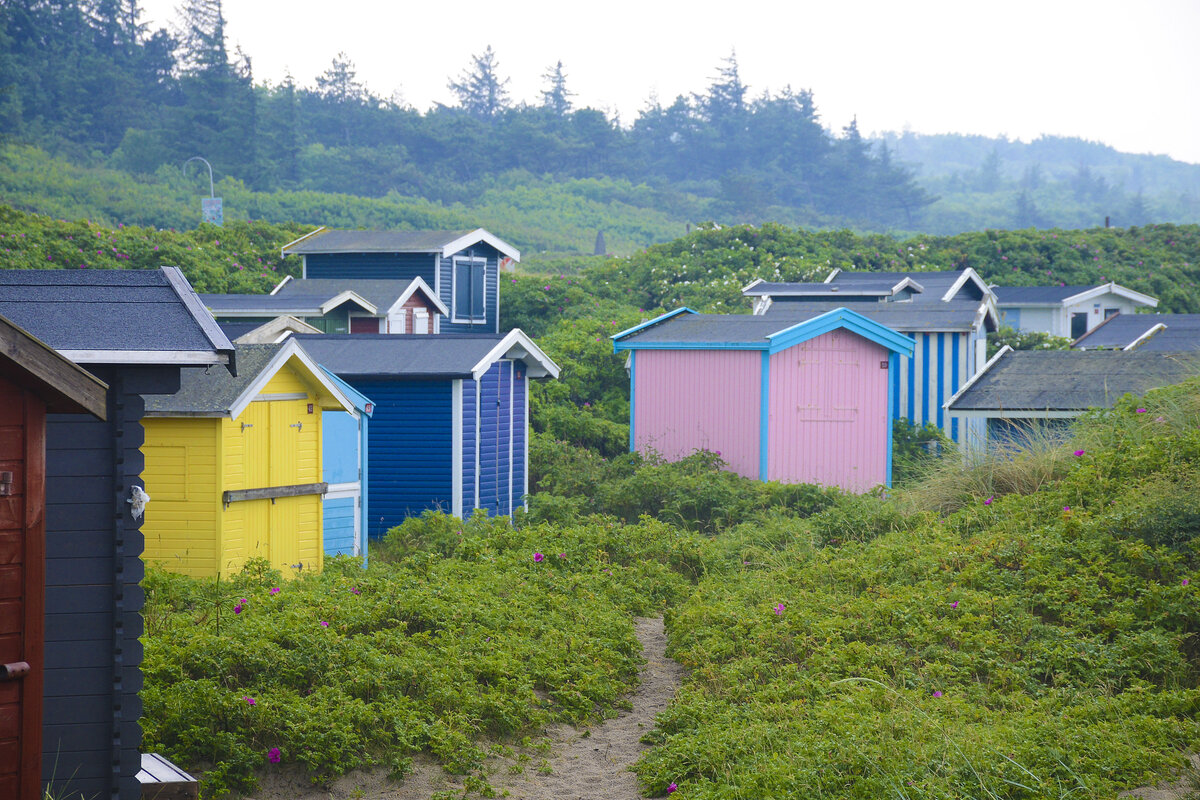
469,297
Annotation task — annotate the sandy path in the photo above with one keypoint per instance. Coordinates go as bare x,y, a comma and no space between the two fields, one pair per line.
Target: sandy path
583,763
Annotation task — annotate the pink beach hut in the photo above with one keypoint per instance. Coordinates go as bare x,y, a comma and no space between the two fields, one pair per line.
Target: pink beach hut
804,402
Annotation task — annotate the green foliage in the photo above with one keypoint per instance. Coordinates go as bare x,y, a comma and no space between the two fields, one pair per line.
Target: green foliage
1036,646
455,633
1024,340
916,450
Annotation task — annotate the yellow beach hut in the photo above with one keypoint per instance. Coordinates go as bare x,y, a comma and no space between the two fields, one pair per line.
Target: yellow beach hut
233,464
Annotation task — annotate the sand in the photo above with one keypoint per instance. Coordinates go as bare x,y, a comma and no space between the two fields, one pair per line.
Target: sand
589,763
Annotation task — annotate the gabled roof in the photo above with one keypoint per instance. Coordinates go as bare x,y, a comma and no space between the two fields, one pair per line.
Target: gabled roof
319,296
938,285
399,356
64,386
1150,332
684,329
206,392
445,243
878,287
1009,296
1031,383
117,316
271,332
954,316
360,400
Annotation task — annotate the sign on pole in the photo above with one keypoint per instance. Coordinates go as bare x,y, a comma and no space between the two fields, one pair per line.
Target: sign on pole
211,211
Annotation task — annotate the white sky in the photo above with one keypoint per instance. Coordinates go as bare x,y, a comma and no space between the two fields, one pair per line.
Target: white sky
1121,72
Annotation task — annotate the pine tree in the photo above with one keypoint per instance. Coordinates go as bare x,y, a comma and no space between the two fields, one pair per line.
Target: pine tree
556,97
480,90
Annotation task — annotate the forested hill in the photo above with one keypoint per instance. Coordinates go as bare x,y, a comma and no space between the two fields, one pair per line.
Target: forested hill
86,81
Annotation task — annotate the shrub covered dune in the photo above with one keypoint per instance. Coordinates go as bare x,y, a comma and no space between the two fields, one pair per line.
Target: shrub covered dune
1018,629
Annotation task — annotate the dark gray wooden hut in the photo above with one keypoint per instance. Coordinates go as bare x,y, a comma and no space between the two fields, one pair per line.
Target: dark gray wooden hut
134,330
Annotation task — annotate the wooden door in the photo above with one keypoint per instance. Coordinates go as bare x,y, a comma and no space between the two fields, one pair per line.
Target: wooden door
288,420
256,439
22,589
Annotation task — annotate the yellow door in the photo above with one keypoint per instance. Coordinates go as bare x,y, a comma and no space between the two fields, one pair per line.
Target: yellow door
256,439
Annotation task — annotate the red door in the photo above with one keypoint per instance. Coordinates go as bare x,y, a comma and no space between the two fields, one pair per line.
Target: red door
364,325
22,588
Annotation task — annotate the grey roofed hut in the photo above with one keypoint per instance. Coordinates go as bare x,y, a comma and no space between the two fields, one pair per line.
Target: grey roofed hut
1163,333
134,330
1026,388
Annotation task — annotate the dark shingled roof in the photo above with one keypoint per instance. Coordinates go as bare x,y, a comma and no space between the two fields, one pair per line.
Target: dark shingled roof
306,296
1031,295
1182,333
399,355
714,328
376,242
125,310
234,329
956,315
268,304
874,289
1069,380
934,283
212,391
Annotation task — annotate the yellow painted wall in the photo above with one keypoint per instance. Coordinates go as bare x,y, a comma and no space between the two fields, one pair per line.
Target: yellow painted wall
182,516
186,527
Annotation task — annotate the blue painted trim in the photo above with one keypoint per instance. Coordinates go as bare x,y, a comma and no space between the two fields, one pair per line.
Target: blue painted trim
954,382
941,375
840,318
655,321
893,366
912,383
632,395
619,346
362,483
764,415
925,379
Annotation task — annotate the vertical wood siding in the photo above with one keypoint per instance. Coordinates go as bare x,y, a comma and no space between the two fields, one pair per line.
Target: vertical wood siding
520,435
470,442
91,708
409,454
941,363
490,424
828,413
182,521
685,400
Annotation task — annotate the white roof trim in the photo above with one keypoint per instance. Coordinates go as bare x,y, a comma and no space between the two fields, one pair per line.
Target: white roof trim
168,357
291,349
342,297
1113,288
281,284
969,274
1018,413
829,278
283,250
517,340
419,283
752,284
281,327
977,376
191,301
1144,337
480,235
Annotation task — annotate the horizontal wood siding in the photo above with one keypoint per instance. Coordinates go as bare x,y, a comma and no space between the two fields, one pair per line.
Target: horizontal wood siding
339,526
470,441
91,734
490,291
520,435
387,266
685,400
182,525
828,413
408,450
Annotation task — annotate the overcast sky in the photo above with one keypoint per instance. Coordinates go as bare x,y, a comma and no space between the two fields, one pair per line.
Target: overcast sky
1123,73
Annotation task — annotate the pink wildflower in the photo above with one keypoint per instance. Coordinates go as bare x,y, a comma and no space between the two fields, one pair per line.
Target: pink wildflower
250,701
537,557
937,693
273,755
275,590
672,788
324,624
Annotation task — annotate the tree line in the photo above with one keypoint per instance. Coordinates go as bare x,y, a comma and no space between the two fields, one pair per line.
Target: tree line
88,77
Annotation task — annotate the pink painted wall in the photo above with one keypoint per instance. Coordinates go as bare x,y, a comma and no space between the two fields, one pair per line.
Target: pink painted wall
685,400
828,413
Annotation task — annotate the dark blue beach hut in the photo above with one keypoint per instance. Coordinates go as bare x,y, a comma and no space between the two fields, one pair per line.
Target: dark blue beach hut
450,425
462,267
133,330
